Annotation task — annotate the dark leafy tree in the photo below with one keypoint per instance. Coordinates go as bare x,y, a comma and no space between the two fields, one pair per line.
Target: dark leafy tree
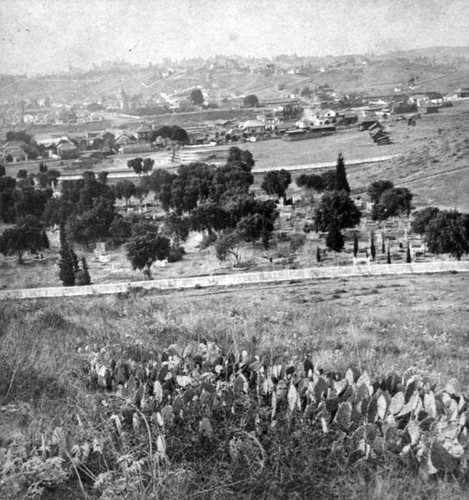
30,201
120,230
197,97
251,101
341,182
177,226
318,255
392,203
229,244
26,236
124,189
22,174
2,170
448,232
337,208
147,165
136,164
334,238
102,177
158,179
277,182
389,255
7,194
312,181
147,246
422,219
328,179
355,244
42,167
377,188
236,154
383,246
233,179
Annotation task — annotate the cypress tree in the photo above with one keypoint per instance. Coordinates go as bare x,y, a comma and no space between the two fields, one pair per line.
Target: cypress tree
318,254
409,256
341,182
372,246
383,246
66,264
334,238
389,255
355,245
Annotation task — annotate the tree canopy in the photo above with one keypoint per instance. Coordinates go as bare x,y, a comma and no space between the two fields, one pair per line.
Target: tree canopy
276,182
393,202
251,101
27,236
197,97
377,188
338,209
146,246
448,232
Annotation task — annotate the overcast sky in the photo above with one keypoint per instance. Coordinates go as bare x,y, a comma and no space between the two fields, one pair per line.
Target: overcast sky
43,36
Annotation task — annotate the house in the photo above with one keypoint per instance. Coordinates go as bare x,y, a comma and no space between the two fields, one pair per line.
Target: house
67,150
13,152
253,127
328,114
462,93
366,123
429,108
349,118
143,133
124,139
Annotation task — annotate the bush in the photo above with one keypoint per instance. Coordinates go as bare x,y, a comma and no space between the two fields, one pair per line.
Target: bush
176,254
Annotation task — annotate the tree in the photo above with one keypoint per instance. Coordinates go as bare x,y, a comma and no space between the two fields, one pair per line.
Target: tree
392,202
336,207
305,92
318,255
136,164
2,170
312,181
197,97
22,174
251,101
102,177
372,246
125,189
68,263
408,255
229,244
377,188
422,219
448,232
276,182
147,165
26,236
146,246
341,182
328,179
334,238
240,155
355,244
389,255
120,230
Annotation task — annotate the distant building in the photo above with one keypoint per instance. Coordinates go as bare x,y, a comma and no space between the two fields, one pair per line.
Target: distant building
462,93
253,127
67,150
429,108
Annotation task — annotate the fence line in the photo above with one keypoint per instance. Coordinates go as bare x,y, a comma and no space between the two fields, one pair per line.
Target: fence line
239,279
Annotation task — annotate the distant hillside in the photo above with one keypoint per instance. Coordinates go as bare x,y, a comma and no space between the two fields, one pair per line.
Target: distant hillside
439,68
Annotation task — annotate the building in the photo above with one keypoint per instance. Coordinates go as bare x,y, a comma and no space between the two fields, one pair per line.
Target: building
67,150
143,133
429,108
253,127
13,152
462,93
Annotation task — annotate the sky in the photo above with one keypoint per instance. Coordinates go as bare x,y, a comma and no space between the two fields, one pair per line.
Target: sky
47,36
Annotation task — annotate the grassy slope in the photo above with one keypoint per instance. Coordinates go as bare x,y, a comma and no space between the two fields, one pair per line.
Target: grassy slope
378,324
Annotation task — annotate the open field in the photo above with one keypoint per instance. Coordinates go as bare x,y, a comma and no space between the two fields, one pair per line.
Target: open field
380,325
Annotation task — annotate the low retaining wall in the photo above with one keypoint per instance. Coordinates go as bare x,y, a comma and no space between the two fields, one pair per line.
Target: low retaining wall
239,279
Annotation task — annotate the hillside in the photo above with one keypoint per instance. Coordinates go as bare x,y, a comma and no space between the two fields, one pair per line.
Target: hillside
441,68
